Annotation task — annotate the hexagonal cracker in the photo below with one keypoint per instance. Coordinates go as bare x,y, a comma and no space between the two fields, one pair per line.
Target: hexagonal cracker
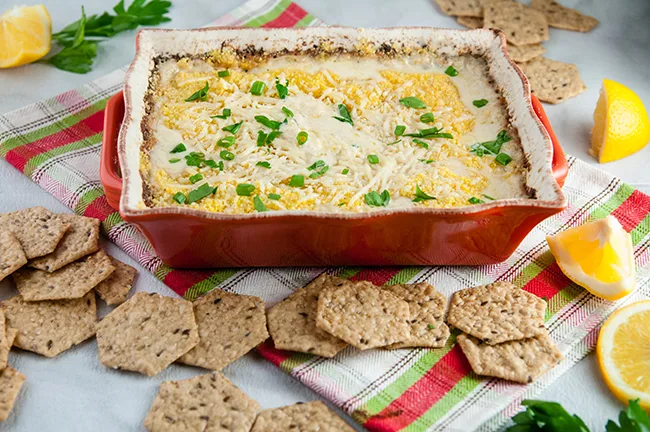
37,229
311,416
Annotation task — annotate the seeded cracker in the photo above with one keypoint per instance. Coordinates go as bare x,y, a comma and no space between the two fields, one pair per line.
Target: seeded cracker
12,256
230,325
72,281
497,313
312,416
37,229
10,383
553,81
51,327
292,322
471,8
470,22
363,315
427,307
81,239
525,53
521,24
147,333
114,289
203,403
4,342
11,336
520,361
563,17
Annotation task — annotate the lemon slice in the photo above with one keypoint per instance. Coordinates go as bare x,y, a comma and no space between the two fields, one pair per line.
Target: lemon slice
621,124
25,35
623,351
597,256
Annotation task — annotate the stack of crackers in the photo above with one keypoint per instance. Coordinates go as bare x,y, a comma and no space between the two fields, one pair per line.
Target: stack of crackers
525,28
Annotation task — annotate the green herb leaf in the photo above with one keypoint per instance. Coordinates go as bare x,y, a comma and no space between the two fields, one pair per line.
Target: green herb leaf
421,196
399,130
480,103
427,118
451,71
421,143
491,147
375,199
77,59
274,196
345,171
226,141
194,159
503,159
412,102
180,198
203,191
395,142
318,164
297,180
179,148
541,416
211,163
263,164
272,124
474,200
233,128
258,88
633,419
201,95
283,90
196,178
302,137
345,114
226,155
174,160
287,112
223,73
245,189
373,159
224,114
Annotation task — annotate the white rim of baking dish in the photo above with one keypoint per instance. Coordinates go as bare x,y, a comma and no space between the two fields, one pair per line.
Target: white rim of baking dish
489,43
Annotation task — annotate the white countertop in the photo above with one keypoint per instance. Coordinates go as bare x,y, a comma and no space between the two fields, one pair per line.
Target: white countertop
74,392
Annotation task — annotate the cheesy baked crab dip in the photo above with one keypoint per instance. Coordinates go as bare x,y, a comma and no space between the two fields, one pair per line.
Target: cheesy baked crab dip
241,132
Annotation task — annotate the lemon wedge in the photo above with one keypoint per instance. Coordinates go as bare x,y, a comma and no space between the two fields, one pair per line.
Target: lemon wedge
621,124
597,256
25,35
623,351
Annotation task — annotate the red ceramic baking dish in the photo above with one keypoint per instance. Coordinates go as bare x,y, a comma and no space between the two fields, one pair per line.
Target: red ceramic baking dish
474,235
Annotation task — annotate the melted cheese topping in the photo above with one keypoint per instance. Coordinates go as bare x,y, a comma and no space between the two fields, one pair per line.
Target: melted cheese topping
371,88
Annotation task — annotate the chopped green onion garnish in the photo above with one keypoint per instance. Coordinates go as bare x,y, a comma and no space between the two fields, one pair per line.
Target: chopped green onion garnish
395,142
224,114
490,147
203,191
283,90
488,197
263,164
220,165
297,180
261,138
273,135
412,102
268,122
480,103
321,172
194,159
257,88
341,204
275,197
375,199
373,159
451,71
211,163
426,161
421,143
503,158
174,160
345,171
196,178
180,198
201,95
223,73
429,133
226,155
399,130
245,189
345,114
474,200
427,118
259,205
421,196
302,137
319,163
179,148
233,128
226,141
287,112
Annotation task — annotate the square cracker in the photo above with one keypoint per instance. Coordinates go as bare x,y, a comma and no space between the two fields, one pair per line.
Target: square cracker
525,53
203,403
4,342
12,256
69,282
51,327
292,322
497,312
10,383
230,325
114,289
147,333
521,361
311,416
563,17
553,81
81,239
427,307
37,229
522,25
363,315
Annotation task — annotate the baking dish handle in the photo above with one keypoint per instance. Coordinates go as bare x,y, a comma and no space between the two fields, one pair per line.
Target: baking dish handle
559,164
109,166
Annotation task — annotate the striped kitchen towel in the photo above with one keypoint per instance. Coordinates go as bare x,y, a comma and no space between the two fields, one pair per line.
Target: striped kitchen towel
56,143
